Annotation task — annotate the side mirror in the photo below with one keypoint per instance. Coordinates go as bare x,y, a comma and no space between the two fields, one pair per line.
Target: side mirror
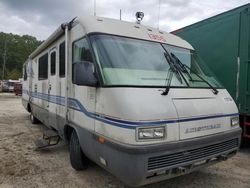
83,74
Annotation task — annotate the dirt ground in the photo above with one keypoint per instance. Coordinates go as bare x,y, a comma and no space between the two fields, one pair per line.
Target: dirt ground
21,165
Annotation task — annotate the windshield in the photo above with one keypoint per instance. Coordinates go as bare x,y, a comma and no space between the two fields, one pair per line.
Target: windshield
133,62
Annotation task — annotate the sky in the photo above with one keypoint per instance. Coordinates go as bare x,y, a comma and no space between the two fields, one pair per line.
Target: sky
40,18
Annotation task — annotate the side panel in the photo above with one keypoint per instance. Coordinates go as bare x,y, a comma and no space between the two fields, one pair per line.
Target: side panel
61,88
244,54
30,75
25,84
53,86
35,101
82,99
248,63
48,95
42,97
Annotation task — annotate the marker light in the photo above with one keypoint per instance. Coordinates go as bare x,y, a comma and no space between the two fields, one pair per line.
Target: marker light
234,121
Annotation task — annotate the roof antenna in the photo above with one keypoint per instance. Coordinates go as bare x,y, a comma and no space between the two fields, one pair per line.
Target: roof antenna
159,12
139,16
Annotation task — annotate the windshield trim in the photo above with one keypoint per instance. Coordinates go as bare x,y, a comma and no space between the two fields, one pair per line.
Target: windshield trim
100,33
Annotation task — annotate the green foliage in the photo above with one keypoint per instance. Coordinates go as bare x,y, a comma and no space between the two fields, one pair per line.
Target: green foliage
15,49
14,74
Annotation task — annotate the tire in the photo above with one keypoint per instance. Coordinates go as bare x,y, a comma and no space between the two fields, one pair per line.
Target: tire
33,119
77,159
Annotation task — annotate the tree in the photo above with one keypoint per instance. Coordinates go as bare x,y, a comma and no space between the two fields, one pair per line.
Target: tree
14,74
14,51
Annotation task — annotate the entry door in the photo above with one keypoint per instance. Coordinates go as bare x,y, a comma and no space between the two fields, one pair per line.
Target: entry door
53,88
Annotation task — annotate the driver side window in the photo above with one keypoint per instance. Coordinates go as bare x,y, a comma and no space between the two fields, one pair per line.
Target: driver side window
81,51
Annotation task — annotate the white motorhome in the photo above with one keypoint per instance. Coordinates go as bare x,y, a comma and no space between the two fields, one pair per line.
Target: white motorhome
130,98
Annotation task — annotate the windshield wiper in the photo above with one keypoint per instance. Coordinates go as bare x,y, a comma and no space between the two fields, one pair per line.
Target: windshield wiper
173,69
181,66
184,68
168,79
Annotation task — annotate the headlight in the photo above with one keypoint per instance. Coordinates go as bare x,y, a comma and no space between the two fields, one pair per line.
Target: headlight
151,133
235,121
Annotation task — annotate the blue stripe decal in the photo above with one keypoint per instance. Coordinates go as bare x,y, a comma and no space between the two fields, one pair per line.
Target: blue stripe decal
76,105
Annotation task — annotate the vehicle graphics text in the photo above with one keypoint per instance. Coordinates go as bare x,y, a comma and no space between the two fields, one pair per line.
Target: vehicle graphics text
202,128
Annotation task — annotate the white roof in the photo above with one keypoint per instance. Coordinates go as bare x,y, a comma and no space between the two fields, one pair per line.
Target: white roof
92,24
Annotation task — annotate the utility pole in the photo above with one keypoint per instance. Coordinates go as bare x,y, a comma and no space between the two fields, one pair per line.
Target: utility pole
4,58
120,14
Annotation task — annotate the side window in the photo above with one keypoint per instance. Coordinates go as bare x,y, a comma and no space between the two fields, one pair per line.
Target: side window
53,63
25,72
62,59
81,51
43,67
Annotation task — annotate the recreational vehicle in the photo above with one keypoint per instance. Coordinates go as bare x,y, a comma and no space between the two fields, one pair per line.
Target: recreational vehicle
131,98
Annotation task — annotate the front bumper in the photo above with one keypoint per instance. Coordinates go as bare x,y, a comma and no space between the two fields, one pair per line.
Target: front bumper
140,165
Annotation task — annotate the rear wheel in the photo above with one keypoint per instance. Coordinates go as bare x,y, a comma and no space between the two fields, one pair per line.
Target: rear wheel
33,119
77,158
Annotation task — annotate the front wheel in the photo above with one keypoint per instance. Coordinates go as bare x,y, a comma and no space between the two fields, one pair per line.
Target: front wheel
77,158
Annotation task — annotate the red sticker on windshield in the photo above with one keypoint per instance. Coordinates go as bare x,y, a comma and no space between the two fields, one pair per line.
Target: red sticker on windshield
156,37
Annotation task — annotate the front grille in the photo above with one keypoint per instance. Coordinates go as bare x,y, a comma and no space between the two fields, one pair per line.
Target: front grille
170,160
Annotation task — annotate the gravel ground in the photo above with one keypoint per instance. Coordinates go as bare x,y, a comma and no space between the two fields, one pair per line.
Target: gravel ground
21,165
